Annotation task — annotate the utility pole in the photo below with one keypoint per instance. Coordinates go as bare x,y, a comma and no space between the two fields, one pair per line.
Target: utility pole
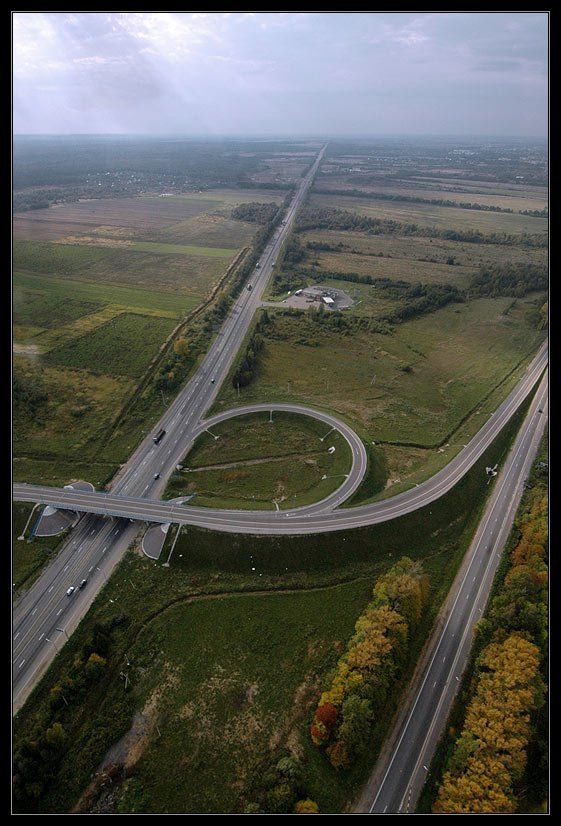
176,537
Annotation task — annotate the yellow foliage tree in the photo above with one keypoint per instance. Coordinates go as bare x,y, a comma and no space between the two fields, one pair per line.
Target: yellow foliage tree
306,807
498,725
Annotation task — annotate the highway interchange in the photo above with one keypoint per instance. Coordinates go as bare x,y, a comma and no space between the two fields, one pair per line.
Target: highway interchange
319,517
97,544
102,536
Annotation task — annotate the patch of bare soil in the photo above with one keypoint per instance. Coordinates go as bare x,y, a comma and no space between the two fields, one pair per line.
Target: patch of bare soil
88,241
119,761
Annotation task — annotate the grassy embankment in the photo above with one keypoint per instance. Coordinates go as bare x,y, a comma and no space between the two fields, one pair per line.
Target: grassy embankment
28,557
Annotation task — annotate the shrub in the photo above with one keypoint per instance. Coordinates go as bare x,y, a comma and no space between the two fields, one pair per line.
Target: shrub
306,807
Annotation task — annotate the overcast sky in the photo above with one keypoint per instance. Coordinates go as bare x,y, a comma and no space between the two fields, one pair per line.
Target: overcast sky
280,73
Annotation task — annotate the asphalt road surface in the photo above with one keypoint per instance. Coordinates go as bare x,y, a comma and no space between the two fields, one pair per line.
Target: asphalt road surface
319,517
97,544
401,772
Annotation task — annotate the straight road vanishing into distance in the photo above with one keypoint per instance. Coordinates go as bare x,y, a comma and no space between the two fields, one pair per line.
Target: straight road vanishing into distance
97,544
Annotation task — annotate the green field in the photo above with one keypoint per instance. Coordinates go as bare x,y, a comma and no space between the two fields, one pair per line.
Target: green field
255,463
413,388
518,200
407,251
123,346
61,290
435,216
228,650
78,410
98,287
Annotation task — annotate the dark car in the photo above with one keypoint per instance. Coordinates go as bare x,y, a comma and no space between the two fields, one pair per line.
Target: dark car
83,583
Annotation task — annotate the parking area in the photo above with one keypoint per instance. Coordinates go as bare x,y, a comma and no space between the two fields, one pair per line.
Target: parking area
316,295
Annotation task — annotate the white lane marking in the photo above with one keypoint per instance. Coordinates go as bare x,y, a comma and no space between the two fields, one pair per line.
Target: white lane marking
16,635
21,663
50,589
59,611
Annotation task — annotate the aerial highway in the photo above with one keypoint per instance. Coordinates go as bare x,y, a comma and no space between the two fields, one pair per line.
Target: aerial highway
97,544
317,518
103,534
401,771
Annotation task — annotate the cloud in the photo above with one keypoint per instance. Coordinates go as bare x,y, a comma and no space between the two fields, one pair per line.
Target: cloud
289,72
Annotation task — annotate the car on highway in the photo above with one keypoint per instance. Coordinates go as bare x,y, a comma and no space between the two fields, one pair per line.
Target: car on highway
70,591
156,476
83,583
212,381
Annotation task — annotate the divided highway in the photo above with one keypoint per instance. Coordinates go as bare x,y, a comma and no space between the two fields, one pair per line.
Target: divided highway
401,772
45,615
317,518
97,544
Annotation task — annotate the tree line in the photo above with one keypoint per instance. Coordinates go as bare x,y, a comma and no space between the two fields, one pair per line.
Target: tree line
505,718
38,754
415,199
245,371
368,671
255,212
509,279
341,219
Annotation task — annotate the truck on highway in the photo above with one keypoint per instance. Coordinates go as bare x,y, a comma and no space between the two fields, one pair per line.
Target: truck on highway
159,436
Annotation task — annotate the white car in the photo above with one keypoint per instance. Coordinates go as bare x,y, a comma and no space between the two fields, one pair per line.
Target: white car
70,591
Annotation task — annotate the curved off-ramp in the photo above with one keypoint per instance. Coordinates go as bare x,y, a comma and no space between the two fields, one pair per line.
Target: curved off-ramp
359,457
323,516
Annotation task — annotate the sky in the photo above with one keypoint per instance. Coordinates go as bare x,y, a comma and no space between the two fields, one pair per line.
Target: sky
280,73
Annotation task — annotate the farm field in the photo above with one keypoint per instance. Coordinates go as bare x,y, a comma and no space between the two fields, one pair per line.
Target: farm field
434,216
188,272
256,463
403,269
413,249
412,389
517,200
221,707
98,287
500,187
